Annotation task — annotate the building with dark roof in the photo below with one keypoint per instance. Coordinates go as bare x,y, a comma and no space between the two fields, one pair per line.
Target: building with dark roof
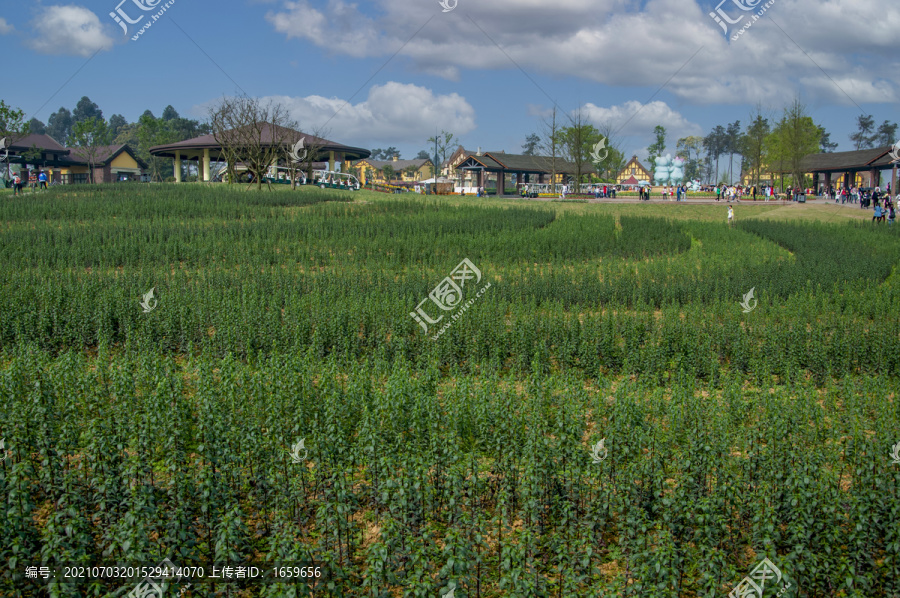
206,148
72,165
525,168
845,169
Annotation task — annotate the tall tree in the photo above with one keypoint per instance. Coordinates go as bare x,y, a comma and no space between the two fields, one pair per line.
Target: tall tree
578,142
733,143
656,148
153,131
36,127
551,143
254,133
91,135
86,109
443,144
59,125
615,161
826,144
423,155
169,113
753,144
531,144
715,144
128,135
12,126
12,123
689,149
794,136
886,134
116,122
863,137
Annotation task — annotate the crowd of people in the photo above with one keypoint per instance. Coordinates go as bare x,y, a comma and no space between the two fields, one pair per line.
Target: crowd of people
37,179
864,196
738,192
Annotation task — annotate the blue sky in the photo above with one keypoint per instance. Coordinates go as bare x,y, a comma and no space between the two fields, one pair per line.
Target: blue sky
486,70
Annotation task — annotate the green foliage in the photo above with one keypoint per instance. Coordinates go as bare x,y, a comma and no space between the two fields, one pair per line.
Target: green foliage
12,123
462,462
793,137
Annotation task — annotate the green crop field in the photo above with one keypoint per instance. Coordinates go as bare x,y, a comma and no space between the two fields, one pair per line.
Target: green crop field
597,407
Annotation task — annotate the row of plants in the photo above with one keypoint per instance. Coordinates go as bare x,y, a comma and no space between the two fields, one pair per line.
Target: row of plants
615,415
414,482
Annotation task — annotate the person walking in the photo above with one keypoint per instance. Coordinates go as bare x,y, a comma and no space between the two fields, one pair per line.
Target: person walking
891,213
17,184
42,178
718,193
876,217
730,215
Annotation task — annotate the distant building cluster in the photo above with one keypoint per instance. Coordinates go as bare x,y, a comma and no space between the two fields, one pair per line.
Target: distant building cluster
42,153
465,170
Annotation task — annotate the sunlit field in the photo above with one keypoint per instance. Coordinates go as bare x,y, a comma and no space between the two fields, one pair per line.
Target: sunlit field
616,400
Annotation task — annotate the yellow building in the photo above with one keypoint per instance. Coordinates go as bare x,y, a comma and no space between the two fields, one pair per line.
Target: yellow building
403,170
41,153
112,163
633,169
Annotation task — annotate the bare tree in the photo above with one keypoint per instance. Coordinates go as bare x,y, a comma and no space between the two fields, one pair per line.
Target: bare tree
252,133
551,143
442,144
615,161
315,141
91,135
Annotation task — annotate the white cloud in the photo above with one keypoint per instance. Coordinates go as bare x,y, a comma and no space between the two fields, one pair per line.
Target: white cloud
342,30
71,30
635,118
621,43
5,27
393,112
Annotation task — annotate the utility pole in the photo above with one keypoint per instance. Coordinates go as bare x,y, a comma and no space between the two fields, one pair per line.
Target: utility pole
435,158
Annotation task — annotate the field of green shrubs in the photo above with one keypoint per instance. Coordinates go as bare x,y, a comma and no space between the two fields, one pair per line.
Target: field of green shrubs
613,413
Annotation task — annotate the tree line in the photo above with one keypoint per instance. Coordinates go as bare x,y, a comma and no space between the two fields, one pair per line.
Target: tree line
767,144
85,127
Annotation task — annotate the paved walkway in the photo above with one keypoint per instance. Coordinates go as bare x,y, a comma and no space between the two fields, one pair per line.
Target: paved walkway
706,201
